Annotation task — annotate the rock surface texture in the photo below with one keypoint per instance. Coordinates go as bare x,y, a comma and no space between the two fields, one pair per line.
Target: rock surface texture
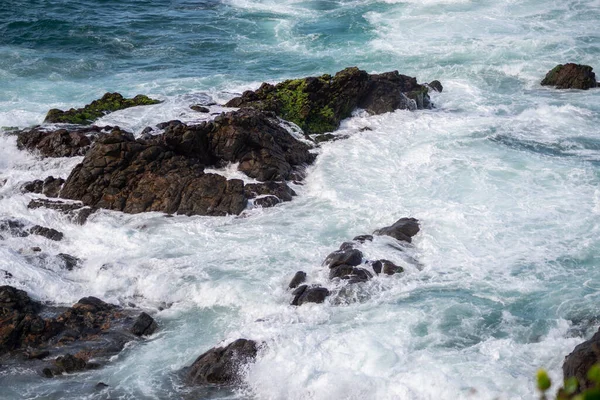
318,104
579,361
108,103
571,76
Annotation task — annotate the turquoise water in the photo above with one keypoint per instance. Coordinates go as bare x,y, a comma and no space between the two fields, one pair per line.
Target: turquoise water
503,175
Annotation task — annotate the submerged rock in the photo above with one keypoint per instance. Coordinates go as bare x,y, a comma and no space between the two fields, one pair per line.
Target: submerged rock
579,361
222,365
34,333
318,104
403,229
77,213
571,76
96,109
48,233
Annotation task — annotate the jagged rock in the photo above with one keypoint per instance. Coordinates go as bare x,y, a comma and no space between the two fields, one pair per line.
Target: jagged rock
60,142
13,227
267,201
571,76
200,108
349,257
32,332
69,261
304,294
144,325
222,365
49,186
78,213
108,103
298,278
436,85
389,268
49,233
318,104
403,229
579,361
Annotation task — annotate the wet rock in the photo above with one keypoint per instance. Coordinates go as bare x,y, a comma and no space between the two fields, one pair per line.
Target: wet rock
363,238
101,385
579,361
49,233
346,246
57,143
377,266
172,123
314,294
65,364
341,271
350,273
318,104
389,268
200,108
436,85
267,201
13,227
222,365
49,186
5,274
144,325
403,229
571,76
69,261
77,213
350,257
96,109
299,277
279,189
297,293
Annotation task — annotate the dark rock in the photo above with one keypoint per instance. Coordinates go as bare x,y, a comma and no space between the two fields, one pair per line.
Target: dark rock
350,273
299,277
4,273
38,355
318,104
325,137
297,293
311,295
403,229
571,76
363,238
346,246
101,385
172,123
279,189
49,186
57,143
341,271
377,266
389,268
66,364
108,103
267,201
78,213
35,186
200,108
36,249
359,275
436,85
580,360
70,262
49,233
349,257
222,365
144,325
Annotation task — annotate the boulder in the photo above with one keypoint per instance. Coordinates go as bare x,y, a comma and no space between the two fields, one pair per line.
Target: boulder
571,76
579,361
222,365
349,257
199,108
57,143
299,277
403,229
70,262
48,233
278,189
318,104
305,294
96,109
144,325
49,187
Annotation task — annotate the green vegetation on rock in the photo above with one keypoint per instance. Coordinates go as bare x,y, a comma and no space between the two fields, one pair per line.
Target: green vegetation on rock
96,109
571,386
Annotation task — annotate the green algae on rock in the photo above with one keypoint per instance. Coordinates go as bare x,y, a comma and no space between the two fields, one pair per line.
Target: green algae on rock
571,76
96,109
318,104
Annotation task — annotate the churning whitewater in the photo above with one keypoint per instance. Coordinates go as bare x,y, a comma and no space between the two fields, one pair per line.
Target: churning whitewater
503,175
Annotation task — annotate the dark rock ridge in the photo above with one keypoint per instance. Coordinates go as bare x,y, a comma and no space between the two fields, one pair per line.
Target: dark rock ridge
108,103
571,76
60,142
349,265
77,213
166,173
222,365
579,361
318,104
18,228
57,340
49,187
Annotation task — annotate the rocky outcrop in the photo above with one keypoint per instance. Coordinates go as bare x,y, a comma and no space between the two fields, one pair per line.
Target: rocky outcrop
167,173
56,340
19,229
571,76
318,104
222,365
96,109
77,213
579,361
403,229
58,143
49,187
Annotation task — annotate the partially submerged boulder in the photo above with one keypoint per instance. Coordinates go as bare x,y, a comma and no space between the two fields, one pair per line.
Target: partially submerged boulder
90,329
96,109
49,187
571,76
403,229
76,212
222,365
318,104
579,361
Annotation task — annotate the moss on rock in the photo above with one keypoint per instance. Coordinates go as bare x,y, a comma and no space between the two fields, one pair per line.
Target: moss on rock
96,109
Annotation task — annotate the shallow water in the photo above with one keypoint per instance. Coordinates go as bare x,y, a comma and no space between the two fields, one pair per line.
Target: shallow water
503,176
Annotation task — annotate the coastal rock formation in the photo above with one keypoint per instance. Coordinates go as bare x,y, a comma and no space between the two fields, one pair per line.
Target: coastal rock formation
571,76
403,229
49,187
90,329
108,103
579,361
57,143
222,365
318,104
167,173
77,213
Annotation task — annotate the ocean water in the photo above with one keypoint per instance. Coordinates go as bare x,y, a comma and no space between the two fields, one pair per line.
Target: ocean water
503,174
